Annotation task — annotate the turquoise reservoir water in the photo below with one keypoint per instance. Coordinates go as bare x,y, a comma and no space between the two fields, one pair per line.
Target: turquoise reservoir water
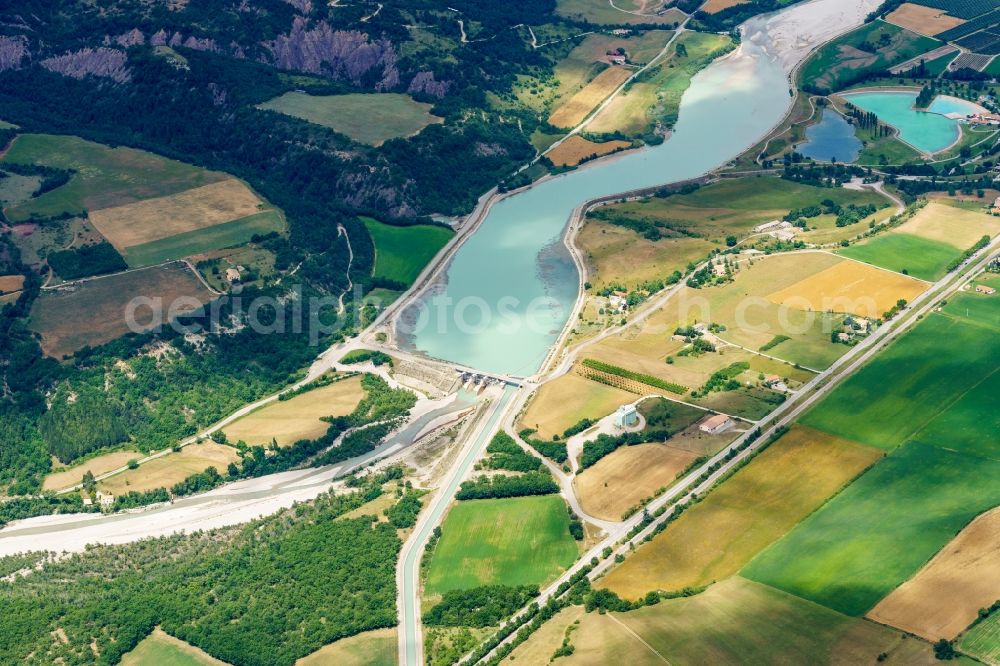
927,131
511,287
832,138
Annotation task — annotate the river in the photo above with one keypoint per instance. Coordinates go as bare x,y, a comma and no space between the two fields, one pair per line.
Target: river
509,290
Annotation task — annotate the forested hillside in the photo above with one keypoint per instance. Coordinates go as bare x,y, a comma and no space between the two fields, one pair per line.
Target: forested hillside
325,579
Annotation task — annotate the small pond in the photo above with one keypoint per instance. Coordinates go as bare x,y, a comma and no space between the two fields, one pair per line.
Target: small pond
832,138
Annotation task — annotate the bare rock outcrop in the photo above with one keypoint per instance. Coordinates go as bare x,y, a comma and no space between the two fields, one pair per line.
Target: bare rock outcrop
340,54
200,44
103,62
304,6
424,82
13,51
131,38
369,188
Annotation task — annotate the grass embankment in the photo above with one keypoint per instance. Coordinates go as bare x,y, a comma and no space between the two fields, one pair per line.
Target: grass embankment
872,47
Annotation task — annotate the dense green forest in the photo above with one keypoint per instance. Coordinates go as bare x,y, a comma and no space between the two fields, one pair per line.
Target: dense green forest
267,593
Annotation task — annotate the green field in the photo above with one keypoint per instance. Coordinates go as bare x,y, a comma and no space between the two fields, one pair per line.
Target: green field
872,47
983,640
981,308
971,424
371,118
104,177
880,530
935,392
222,235
734,205
887,150
910,384
902,252
402,252
519,541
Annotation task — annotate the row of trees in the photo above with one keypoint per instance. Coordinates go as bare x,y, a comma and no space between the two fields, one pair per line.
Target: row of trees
494,487
505,454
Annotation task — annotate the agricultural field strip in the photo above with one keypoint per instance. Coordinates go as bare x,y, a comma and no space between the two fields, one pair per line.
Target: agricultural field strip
881,268
607,100
757,352
783,415
61,285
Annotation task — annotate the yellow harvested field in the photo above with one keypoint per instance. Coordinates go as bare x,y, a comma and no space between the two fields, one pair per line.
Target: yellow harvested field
171,468
955,226
923,20
567,400
162,648
715,6
577,107
96,466
288,421
759,504
733,622
154,219
850,287
370,648
946,595
576,149
632,473
549,637
11,283
93,312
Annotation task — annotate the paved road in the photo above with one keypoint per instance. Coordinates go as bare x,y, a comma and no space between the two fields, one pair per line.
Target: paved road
410,637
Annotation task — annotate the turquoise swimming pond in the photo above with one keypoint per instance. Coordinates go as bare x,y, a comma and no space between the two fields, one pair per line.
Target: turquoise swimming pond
928,131
832,138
